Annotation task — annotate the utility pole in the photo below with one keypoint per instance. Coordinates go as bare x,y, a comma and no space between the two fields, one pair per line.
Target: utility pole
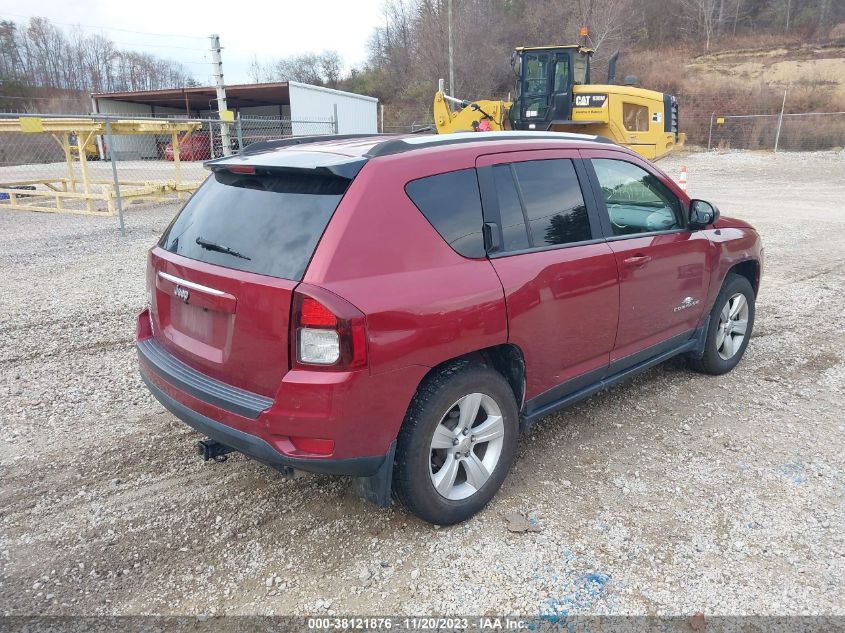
222,107
451,61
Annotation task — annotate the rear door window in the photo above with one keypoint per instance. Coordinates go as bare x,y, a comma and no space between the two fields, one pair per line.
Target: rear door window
552,201
268,224
451,202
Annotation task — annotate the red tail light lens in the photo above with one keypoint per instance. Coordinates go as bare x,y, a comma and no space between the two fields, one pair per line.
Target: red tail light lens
316,314
326,331
144,326
359,345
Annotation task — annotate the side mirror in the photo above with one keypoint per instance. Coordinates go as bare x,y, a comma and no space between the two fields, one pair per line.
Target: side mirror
702,213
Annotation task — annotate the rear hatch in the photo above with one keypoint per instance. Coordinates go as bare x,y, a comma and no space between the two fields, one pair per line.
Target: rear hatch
221,280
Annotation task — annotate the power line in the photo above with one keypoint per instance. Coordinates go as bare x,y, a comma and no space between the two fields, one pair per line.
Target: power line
41,98
169,59
139,45
109,28
145,45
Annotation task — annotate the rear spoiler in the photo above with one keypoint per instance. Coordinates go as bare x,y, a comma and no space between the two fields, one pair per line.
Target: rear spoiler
296,162
266,146
261,156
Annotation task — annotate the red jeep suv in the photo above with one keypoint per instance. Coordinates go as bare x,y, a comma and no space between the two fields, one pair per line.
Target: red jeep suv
399,308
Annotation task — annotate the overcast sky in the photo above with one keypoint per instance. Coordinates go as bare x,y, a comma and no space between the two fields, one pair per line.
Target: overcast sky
259,27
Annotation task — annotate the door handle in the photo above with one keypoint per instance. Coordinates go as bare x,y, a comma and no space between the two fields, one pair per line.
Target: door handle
636,261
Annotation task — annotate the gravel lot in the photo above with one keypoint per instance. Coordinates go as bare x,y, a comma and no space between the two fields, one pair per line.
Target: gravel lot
671,494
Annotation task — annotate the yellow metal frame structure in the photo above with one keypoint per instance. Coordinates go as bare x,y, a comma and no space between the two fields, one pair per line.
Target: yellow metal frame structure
56,192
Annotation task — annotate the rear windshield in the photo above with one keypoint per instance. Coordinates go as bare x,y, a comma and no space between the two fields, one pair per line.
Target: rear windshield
266,224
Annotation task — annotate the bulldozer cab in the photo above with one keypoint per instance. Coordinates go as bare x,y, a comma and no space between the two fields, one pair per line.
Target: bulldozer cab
545,76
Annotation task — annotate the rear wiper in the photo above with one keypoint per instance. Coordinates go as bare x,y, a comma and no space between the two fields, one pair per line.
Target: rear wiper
219,248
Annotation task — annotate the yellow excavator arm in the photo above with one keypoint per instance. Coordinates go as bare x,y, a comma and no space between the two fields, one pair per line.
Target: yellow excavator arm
469,116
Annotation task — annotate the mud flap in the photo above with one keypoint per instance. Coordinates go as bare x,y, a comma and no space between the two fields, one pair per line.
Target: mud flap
701,340
377,487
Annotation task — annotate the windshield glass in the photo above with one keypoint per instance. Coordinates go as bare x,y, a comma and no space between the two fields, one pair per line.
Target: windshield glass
266,224
536,69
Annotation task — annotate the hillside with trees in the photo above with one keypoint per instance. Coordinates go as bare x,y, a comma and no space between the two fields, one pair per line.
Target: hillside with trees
728,56
696,49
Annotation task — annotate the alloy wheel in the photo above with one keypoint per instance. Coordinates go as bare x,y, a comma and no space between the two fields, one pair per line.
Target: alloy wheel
466,446
733,324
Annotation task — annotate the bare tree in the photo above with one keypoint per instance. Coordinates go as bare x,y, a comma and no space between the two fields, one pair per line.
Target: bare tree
331,68
323,69
256,72
41,56
609,21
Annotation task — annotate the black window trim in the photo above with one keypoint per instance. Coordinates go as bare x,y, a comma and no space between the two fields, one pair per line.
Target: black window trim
540,249
490,204
604,214
616,238
521,198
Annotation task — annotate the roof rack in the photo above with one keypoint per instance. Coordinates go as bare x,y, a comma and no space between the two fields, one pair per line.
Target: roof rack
407,144
264,146
394,145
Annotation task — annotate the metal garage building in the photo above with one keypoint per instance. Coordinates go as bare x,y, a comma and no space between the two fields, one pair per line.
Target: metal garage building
300,103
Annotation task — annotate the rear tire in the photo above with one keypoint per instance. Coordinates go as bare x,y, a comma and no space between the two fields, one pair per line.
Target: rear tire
457,443
730,328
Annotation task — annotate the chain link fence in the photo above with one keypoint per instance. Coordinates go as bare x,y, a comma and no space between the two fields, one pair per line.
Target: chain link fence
807,131
799,132
98,164
253,129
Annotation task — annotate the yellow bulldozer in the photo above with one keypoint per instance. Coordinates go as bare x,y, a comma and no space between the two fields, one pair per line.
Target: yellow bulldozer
554,92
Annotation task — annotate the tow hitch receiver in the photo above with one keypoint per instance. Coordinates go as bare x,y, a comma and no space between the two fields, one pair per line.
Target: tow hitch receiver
211,449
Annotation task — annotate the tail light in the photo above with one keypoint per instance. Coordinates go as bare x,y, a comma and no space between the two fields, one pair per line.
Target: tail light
326,331
143,326
149,299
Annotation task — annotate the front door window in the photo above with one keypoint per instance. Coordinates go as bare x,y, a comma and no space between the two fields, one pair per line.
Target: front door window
637,202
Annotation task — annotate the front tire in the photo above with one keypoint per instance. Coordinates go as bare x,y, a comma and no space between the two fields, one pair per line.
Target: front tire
731,324
457,443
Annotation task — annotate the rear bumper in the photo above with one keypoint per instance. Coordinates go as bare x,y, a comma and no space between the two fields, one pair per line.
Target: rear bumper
178,374
257,448
320,421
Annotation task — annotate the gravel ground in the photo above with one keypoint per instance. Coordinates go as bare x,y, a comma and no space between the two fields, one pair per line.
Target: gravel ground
131,170
671,494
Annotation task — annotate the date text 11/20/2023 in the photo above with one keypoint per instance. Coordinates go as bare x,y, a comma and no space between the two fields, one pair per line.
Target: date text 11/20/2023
419,623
